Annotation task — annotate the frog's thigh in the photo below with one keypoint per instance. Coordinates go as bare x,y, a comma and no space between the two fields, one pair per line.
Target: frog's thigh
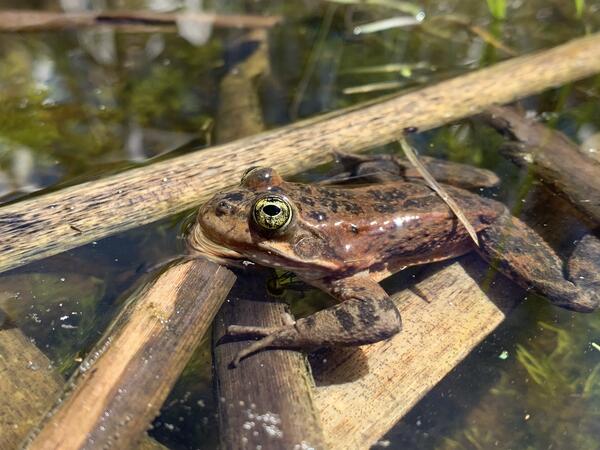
521,254
365,314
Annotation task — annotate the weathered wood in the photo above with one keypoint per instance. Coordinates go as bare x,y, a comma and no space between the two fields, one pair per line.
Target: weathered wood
362,393
28,387
50,224
28,20
552,156
122,384
266,401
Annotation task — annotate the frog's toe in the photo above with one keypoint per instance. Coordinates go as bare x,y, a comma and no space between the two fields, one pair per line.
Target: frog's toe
282,337
250,331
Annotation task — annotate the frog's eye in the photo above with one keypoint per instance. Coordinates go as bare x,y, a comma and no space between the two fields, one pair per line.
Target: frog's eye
247,171
272,213
261,178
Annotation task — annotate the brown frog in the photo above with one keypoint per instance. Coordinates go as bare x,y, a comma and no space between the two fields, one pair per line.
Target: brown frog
344,240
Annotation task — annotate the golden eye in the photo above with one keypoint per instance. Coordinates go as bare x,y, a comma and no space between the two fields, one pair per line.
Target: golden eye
272,213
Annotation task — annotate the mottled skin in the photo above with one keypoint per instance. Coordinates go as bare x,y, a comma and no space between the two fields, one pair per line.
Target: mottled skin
344,240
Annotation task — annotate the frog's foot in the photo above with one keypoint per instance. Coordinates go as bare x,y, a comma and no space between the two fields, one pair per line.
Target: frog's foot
521,254
279,337
366,315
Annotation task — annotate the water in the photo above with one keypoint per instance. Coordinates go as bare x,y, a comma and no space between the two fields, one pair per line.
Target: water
79,105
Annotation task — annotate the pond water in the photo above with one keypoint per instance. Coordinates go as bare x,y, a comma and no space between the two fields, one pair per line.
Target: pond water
80,104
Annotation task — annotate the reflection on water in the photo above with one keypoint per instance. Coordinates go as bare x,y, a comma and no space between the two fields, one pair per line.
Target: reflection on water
81,104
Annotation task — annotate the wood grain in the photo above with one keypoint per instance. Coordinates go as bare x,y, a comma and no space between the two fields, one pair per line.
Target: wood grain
363,393
48,224
28,387
122,384
266,402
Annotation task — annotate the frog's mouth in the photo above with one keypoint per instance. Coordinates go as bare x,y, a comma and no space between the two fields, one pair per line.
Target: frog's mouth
200,243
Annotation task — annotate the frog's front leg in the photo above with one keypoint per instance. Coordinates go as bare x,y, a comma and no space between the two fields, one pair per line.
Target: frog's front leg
365,315
521,254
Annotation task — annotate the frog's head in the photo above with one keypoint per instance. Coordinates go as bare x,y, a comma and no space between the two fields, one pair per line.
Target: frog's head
261,221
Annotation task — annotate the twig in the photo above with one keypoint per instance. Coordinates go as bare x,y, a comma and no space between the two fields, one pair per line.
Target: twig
26,20
131,371
41,226
433,184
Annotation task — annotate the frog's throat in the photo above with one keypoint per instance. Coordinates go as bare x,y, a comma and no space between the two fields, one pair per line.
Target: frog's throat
200,243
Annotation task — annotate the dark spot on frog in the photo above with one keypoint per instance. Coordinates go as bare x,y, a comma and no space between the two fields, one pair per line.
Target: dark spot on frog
234,196
352,208
384,208
318,216
388,305
307,200
390,195
345,319
420,202
354,229
377,267
367,312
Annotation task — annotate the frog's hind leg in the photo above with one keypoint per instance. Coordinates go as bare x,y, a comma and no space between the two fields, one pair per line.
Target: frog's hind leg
382,168
365,315
521,254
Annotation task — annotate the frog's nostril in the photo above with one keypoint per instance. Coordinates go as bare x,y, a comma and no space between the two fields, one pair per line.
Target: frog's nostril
222,208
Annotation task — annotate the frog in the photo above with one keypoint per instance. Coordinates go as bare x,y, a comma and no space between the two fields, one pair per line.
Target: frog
344,240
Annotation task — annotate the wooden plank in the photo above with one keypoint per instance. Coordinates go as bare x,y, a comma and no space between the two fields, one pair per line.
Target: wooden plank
52,223
28,387
363,393
266,401
122,384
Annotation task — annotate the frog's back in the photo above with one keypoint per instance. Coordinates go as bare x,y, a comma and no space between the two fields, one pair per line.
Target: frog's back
391,225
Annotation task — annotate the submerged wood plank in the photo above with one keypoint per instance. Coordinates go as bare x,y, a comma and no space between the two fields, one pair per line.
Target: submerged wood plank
28,387
364,392
552,156
122,384
52,223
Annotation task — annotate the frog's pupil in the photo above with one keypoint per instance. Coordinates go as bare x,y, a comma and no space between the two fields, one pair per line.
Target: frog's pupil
272,210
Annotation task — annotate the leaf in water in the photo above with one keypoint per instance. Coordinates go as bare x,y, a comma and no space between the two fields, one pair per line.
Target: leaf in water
387,24
412,157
